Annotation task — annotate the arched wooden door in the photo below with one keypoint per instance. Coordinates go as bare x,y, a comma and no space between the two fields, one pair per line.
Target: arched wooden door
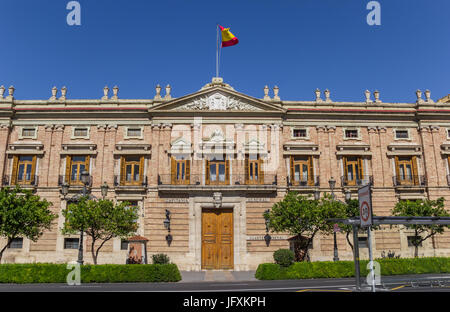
217,239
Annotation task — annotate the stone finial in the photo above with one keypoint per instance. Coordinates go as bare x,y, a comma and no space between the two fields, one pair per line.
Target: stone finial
266,93
63,94
376,95
158,92
105,93
168,90
54,93
419,96
276,90
317,92
367,94
115,93
428,96
2,91
327,95
11,90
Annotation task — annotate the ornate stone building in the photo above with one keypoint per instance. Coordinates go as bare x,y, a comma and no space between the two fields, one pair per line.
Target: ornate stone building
216,160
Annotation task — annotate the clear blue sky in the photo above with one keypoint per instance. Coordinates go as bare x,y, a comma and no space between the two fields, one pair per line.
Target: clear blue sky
299,45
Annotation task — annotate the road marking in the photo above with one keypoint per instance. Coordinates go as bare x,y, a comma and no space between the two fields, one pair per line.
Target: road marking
399,287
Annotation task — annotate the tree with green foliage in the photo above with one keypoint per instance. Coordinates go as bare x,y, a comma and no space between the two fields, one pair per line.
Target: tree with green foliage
351,210
23,214
304,217
101,220
422,208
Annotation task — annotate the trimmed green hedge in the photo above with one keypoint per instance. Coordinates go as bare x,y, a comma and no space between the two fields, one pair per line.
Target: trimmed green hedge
306,270
108,273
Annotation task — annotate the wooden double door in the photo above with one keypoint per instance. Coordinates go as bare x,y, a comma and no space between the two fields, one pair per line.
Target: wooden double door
217,239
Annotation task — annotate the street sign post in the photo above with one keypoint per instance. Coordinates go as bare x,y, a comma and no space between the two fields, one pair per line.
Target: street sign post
365,215
365,206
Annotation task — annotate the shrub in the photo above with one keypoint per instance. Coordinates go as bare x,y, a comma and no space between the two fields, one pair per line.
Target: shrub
160,259
340,269
284,257
107,273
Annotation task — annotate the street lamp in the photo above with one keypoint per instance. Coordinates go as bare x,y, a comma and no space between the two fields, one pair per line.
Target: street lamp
317,195
348,195
104,188
332,184
84,177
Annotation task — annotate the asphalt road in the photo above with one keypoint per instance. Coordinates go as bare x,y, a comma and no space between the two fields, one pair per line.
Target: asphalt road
421,283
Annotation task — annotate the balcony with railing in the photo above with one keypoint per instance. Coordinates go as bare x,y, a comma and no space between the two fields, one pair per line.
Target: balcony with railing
127,182
193,182
356,181
410,181
303,182
25,181
73,181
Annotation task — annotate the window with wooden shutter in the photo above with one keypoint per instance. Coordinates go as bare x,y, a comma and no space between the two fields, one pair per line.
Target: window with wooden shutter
180,170
302,170
14,170
207,181
188,171
415,171
25,170
132,170
353,170
218,171
310,171
75,165
227,172
406,169
173,170
261,171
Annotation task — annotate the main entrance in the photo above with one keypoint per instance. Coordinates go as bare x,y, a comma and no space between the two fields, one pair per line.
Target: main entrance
217,239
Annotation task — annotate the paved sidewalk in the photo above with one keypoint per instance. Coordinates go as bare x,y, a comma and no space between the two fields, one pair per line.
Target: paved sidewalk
217,276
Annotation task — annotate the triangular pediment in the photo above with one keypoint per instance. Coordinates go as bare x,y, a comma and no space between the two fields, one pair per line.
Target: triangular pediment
217,99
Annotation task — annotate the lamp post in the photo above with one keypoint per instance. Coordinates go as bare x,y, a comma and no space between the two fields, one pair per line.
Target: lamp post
104,188
332,184
84,177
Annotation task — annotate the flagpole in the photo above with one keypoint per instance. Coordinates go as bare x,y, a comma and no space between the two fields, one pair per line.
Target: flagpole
217,52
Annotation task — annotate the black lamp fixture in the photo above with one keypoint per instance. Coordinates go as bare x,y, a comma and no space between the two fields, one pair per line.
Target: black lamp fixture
104,188
332,184
267,237
169,237
348,195
84,177
317,195
64,189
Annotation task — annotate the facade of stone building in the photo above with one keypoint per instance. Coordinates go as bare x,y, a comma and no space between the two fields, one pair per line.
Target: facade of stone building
217,159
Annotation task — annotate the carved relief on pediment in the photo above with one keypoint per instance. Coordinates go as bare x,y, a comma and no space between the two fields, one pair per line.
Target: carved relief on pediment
218,101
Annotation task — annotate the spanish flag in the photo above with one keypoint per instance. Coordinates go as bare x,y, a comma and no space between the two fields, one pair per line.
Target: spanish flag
228,39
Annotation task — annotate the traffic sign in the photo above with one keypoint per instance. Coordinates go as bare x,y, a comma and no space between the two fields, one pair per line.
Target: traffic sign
365,206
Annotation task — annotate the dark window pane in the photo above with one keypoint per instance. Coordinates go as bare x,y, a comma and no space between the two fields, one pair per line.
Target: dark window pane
16,243
123,244
71,243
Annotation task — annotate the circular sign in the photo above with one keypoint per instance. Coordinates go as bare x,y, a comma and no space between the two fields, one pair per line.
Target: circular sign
365,213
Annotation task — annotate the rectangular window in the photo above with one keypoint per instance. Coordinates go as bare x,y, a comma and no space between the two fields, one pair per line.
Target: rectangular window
80,132
406,170
71,243
180,170
411,240
132,172
302,171
401,134
134,132
254,170
24,168
16,243
124,244
351,134
29,132
217,171
353,170
362,242
299,133
75,165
